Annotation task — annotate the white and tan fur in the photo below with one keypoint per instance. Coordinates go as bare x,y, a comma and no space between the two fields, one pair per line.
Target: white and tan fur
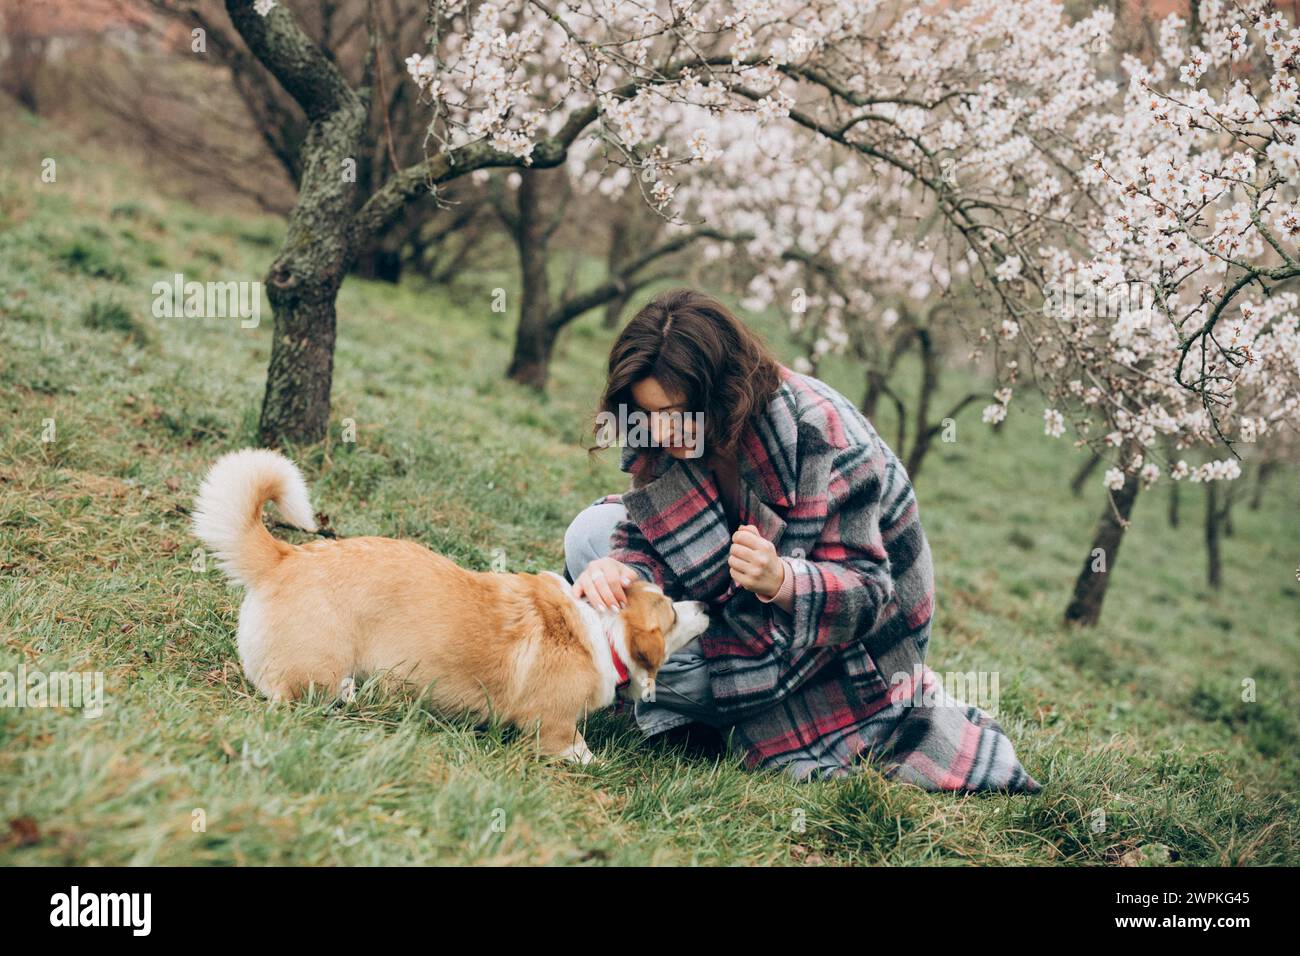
330,613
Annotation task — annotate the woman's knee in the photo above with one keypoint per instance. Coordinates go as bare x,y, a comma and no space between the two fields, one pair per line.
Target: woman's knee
588,535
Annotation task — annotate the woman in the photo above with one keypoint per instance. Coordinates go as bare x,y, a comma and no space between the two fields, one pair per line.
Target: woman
793,520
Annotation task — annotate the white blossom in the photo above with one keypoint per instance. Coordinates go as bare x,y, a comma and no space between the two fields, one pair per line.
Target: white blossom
1009,269
1053,423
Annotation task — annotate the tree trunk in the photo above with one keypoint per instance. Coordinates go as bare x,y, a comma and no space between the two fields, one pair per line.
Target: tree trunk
296,406
1175,493
916,455
382,261
531,363
22,68
1213,523
614,312
925,392
303,284
627,235
1090,587
619,253
304,279
1261,477
336,214
871,397
535,339
1084,473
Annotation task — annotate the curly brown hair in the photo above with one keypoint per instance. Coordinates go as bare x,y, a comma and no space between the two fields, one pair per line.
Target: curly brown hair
693,345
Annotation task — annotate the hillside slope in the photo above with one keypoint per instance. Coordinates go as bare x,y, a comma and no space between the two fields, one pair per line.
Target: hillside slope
1136,728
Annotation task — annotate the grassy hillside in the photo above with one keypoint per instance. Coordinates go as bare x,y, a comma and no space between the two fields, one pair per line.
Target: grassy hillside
1140,718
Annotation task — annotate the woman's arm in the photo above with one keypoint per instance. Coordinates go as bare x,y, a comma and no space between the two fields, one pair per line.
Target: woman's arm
845,586
755,566
784,596
628,546
842,590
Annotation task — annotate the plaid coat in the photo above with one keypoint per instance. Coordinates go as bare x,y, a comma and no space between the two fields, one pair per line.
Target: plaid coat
834,684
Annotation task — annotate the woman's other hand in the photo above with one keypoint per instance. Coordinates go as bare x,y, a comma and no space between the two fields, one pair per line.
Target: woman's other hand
754,563
604,584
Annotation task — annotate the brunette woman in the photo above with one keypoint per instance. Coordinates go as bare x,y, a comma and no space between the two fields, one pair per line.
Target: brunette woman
789,515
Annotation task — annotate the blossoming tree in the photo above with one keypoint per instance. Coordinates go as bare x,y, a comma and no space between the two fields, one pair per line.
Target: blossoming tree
1129,222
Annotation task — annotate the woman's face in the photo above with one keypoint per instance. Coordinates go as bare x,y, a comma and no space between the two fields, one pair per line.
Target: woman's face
672,425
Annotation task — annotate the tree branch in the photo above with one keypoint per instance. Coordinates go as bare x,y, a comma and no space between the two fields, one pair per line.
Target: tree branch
624,282
296,61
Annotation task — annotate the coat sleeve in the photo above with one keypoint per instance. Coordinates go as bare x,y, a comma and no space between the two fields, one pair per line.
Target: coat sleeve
629,546
844,588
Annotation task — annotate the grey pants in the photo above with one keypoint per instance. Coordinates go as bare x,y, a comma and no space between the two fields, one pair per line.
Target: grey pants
682,692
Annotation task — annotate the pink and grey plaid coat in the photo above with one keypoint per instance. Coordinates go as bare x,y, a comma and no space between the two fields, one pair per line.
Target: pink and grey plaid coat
835,684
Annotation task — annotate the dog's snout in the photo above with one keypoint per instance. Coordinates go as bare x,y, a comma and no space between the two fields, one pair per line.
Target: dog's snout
692,619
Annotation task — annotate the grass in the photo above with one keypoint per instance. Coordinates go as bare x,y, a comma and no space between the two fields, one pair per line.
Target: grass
1136,728
110,315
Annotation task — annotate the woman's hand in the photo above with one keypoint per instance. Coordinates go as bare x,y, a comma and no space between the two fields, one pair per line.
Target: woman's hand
603,583
755,565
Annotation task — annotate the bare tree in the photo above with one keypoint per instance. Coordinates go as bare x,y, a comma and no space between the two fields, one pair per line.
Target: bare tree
25,52
542,314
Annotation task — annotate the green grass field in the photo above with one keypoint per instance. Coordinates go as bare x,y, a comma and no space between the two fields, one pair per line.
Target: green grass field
1141,718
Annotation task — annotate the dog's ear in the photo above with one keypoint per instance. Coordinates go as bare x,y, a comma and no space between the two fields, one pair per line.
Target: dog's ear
646,620
645,645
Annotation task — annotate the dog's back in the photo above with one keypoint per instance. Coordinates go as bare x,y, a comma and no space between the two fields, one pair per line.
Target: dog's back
507,644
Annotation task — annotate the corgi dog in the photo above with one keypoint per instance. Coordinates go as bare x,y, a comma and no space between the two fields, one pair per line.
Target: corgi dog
331,612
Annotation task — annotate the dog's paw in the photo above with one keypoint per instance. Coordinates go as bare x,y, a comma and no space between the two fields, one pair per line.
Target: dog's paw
579,754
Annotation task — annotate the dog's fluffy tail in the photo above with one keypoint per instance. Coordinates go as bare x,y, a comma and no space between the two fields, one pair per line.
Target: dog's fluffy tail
228,511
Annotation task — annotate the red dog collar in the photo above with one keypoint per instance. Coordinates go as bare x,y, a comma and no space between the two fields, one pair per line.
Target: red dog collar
619,667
